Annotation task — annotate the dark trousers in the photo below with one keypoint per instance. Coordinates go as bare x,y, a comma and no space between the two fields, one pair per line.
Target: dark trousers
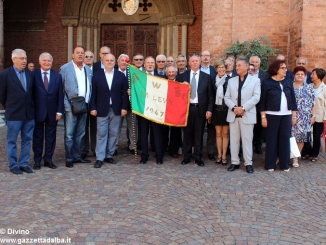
175,140
211,139
258,131
44,132
318,128
90,135
156,129
278,133
193,134
165,131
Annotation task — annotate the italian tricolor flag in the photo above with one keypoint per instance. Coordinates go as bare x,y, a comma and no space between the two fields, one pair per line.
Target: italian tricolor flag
157,99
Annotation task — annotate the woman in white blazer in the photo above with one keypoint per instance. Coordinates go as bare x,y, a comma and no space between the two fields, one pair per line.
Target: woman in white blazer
319,87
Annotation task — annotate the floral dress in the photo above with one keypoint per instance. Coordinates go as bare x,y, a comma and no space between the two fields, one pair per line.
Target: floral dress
305,97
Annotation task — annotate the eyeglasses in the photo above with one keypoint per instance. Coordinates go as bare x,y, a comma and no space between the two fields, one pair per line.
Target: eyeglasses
89,56
138,59
221,67
205,55
284,68
104,53
179,61
169,61
251,69
160,61
21,58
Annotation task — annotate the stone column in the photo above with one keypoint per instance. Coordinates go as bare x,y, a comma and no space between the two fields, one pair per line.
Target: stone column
1,38
96,47
184,31
70,22
163,38
175,41
168,40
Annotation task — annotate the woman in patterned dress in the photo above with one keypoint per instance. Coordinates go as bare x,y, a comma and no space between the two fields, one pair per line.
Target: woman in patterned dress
305,98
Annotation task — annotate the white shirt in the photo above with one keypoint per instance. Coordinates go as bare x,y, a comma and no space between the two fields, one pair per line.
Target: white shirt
284,106
195,100
80,75
109,78
124,72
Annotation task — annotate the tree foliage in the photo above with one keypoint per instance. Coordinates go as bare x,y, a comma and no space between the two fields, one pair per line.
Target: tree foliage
260,47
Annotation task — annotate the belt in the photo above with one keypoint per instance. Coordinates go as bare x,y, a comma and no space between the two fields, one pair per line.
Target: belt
194,104
238,116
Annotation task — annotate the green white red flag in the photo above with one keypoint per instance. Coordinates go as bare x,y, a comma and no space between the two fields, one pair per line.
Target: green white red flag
158,99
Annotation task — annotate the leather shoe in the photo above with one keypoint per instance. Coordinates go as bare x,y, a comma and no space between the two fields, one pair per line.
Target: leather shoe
249,169
69,164
115,153
143,161
110,160
159,162
211,157
200,163
185,161
98,164
233,167
81,161
16,170
83,155
50,165
26,169
37,166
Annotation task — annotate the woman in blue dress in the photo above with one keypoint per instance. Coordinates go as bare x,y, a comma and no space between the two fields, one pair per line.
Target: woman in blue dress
305,97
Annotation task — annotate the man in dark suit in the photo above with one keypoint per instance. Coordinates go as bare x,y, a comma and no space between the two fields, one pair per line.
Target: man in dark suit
16,96
109,102
144,125
206,57
138,61
181,63
99,64
48,101
201,106
77,81
258,129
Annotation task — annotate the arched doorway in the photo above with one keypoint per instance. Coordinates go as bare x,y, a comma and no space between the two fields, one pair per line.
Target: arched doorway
94,18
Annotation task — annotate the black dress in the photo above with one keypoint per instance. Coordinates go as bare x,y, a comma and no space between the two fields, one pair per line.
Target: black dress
220,112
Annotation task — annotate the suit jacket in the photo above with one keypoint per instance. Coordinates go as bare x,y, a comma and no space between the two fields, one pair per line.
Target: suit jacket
212,72
320,102
262,75
250,95
308,80
47,103
97,66
158,75
70,84
205,90
101,94
18,103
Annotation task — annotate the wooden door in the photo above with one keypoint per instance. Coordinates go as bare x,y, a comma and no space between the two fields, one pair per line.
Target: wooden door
130,39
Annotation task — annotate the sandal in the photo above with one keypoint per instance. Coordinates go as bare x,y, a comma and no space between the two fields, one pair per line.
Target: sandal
305,157
295,163
219,160
314,159
224,162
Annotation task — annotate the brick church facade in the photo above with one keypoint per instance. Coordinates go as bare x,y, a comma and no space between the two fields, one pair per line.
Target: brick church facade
295,27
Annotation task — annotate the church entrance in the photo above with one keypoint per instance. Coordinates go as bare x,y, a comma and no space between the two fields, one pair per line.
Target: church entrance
130,39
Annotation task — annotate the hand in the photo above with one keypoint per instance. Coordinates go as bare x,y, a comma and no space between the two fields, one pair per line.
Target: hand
264,123
128,91
312,120
209,120
57,117
123,112
185,82
208,114
93,113
294,121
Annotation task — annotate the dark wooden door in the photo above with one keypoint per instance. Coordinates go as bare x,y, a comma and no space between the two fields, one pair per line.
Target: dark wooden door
130,39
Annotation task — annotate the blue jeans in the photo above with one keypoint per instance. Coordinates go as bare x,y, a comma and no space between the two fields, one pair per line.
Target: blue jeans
26,129
74,133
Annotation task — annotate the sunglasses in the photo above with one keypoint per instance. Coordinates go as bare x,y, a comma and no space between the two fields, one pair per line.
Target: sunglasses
160,61
138,59
89,56
251,69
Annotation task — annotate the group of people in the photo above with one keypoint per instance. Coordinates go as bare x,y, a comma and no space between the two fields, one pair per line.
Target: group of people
235,105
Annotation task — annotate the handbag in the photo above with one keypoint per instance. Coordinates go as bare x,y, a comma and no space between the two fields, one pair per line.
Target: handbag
78,104
323,140
294,148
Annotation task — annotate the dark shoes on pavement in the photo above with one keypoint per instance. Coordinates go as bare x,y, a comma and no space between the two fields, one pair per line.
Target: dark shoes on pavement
98,164
50,165
110,160
249,168
26,169
211,157
16,170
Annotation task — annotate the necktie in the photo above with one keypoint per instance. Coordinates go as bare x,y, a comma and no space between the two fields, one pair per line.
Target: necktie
193,86
21,78
46,81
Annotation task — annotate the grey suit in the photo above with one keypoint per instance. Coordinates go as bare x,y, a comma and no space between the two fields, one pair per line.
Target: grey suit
250,95
74,125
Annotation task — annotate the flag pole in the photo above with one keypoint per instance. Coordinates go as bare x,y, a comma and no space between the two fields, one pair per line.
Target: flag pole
132,119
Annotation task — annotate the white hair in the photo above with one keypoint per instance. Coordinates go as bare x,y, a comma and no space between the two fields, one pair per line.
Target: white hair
161,56
45,54
122,55
17,51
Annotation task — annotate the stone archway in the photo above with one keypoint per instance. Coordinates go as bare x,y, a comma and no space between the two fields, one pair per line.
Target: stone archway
88,16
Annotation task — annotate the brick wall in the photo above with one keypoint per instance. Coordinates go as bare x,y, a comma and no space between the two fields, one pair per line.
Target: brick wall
52,40
195,30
